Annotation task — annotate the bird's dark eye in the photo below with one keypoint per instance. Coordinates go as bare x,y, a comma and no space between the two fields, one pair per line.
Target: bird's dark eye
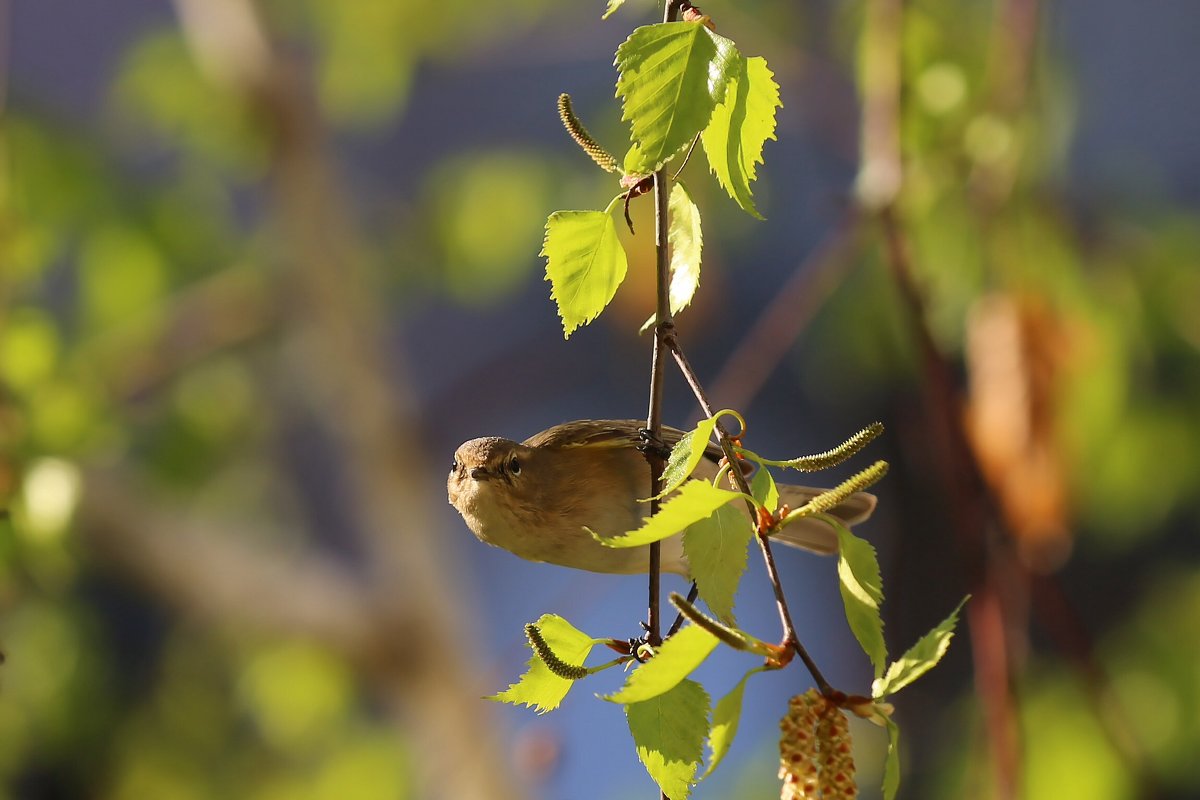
454,465
514,466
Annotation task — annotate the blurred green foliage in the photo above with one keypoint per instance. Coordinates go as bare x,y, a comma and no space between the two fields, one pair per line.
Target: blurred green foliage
481,206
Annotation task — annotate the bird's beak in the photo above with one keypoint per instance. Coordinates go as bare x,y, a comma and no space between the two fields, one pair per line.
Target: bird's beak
479,474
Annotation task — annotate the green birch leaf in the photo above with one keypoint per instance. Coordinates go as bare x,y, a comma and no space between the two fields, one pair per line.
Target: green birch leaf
585,263
540,688
726,717
862,592
613,5
686,455
716,553
919,659
674,661
763,488
891,767
635,161
669,732
672,76
687,240
694,501
740,126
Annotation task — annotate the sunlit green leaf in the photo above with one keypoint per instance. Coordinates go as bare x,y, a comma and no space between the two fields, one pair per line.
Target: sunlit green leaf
635,162
686,455
672,76
674,661
669,731
540,688
726,716
695,501
740,126
919,659
716,553
764,490
687,241
891,767
613,5
862,592
585,263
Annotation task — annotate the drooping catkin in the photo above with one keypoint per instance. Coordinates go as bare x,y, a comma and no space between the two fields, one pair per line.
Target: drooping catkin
815,759
555,664
831,458
832,498
580,134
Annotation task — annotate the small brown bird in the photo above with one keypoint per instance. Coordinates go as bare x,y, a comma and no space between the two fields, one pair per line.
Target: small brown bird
535,498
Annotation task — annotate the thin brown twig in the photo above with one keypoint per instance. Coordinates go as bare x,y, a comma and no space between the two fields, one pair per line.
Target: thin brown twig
654,414
654,425
662,328
686,157
790,638
693,593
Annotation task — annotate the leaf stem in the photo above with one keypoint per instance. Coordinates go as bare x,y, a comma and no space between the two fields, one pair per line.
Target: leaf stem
693,593
609,664
736,639
608,209
686,157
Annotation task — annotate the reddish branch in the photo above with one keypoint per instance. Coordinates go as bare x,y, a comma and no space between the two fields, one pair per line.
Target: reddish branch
775,331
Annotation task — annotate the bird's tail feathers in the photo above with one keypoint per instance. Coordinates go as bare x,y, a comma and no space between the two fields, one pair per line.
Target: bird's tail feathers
813,534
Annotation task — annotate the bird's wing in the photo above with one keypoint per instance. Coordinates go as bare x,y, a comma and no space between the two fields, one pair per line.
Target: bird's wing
671,437
602,433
